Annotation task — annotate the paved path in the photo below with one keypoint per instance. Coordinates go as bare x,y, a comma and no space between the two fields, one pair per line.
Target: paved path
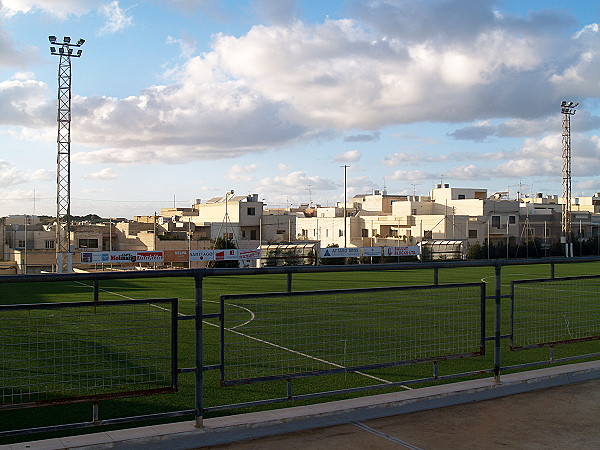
566,417
550,408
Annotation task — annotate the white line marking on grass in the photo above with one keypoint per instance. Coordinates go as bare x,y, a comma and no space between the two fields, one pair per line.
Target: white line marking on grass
252,316
262,341
385,436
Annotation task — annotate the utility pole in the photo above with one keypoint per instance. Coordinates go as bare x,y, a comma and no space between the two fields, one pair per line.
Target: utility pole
345,166
63,172
567,109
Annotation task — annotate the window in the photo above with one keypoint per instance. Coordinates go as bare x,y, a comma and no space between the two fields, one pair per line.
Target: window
280,231
87,243
365,232
341,233
428,234
253,235
304,233
251,211
49,245
473,234
512,219
414,211
243,233
327,233
496,221
461,196
21,243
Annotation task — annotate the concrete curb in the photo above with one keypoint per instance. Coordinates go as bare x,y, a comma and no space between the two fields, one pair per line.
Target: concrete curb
228,429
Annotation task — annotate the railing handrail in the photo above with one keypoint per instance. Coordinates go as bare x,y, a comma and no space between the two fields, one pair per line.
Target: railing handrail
207,272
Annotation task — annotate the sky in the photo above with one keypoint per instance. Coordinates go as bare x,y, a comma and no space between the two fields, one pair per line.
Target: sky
178,100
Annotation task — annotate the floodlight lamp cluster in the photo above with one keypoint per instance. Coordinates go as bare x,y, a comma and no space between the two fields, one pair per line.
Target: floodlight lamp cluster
568,107
65,48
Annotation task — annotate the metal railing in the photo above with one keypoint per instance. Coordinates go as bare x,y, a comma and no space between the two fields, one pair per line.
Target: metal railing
300,334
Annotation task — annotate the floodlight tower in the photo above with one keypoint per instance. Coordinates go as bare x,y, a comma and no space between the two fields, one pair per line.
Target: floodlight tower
65,50
567,109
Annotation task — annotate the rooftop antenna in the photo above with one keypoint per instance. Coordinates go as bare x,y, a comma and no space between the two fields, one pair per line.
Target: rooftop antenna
310,194
414,185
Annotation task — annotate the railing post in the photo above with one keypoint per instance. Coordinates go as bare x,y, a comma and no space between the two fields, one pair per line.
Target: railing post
497,299
289,281
552,270
96,291
436,275
199,364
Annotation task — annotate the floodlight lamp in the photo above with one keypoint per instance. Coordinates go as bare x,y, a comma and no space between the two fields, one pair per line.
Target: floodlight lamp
563,103
70,51
52,39
575,105
80,41
52,49
61,50
67,39
78,52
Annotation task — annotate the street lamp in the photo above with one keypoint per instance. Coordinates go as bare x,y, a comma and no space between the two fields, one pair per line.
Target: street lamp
63,176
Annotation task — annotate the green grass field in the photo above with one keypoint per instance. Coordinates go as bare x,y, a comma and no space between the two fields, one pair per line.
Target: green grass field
325,321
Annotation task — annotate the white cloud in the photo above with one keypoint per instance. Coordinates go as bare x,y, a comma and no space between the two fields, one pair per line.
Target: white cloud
283,167
238,172
116,18
280,85
349,156
588,185
58,8
187,45
42,175
9,175
410,175
276,11
294,182
23,103
468,172
105,174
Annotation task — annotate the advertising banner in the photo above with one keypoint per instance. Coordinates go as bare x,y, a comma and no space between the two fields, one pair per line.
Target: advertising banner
249,254
371,251
176,255
226,255
95,257
149,257
410,250
340,252
202,255
123,257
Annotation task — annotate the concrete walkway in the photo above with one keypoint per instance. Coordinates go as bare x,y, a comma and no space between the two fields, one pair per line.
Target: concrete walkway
549,408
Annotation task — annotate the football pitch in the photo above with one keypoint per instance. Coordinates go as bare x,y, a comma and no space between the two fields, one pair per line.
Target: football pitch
266,336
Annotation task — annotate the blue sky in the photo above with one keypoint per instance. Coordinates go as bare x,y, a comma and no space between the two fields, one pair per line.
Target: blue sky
184,99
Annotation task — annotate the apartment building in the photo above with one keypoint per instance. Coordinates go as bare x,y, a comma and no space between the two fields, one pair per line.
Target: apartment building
448,213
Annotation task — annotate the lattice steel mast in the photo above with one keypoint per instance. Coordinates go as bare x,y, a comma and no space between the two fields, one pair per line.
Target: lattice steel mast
567,109
63,167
